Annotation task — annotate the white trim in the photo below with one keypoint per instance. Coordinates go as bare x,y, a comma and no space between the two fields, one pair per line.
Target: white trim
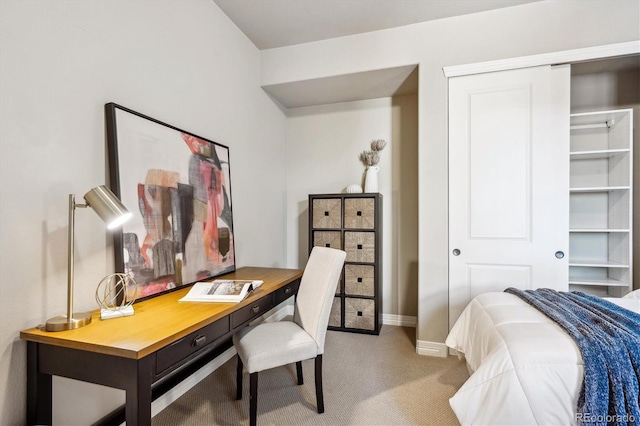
284,310
453,352
281,311
436,349
399,320
184,386
553,58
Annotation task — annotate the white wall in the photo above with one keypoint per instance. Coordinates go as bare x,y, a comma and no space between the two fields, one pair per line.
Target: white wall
323,148
529,29
182,62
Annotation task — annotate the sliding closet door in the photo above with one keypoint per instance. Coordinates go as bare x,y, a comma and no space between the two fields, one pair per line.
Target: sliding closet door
508,182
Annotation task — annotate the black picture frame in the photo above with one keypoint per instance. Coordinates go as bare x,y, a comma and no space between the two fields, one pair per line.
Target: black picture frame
178,187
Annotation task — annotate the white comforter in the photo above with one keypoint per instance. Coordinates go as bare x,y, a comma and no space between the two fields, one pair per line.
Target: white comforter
526,369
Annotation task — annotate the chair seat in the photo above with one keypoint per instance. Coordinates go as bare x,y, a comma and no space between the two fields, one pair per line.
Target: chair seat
273,344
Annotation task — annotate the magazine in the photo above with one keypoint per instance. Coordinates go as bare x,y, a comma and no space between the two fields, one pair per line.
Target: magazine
221,291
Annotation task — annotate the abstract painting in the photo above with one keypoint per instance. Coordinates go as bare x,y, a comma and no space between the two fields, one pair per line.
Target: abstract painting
178,187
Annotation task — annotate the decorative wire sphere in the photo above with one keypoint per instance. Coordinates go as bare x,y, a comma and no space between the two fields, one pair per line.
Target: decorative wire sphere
113,289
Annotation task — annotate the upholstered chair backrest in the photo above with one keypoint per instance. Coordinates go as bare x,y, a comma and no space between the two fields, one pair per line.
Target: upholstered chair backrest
317,290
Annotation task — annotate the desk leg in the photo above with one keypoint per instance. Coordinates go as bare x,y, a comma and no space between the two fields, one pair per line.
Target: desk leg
138,394
39,390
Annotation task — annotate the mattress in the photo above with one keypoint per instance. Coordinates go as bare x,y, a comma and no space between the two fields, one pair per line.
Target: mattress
526,369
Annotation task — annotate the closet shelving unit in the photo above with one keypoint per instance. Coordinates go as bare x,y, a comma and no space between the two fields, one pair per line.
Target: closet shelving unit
601,179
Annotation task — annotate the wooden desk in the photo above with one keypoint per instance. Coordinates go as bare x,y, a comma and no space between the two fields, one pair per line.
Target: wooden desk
132,353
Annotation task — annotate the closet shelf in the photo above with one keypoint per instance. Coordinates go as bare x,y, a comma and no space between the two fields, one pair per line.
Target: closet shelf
597,264
599,189
598,230
597,154
603,282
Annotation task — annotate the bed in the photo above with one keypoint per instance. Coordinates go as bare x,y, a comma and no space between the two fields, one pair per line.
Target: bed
525,369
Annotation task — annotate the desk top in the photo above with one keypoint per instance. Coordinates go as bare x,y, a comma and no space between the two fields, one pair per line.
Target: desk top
159,321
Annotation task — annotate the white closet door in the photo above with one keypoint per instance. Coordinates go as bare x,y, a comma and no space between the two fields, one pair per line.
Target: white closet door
508,182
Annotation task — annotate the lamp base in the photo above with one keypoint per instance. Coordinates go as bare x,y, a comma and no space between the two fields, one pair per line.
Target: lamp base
61,323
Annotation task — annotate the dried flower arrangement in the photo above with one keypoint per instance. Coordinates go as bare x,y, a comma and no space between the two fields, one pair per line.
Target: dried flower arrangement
372,157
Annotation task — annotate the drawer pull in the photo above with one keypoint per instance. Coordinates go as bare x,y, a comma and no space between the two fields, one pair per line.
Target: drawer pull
255,309
199,341
287,290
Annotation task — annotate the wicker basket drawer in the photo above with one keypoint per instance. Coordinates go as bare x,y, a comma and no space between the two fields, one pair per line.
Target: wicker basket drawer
359,213
327,213
359,280
360,246
335,318
359,313
327,239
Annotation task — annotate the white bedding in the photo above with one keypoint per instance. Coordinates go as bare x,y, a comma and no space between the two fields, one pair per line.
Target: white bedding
526,369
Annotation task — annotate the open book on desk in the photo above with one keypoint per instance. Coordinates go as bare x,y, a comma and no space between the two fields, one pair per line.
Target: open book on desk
229,291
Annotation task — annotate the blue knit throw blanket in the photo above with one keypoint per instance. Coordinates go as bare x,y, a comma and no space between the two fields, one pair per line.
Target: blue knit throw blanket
609,339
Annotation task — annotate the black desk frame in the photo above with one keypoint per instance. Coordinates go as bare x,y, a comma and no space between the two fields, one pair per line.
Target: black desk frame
135,376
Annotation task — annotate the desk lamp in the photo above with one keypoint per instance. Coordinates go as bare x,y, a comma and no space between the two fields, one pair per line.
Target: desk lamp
110,209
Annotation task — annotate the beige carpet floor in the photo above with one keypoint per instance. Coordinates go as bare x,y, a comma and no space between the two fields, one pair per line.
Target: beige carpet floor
368,380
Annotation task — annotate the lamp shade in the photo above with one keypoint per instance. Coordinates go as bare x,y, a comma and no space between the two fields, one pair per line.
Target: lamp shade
107,206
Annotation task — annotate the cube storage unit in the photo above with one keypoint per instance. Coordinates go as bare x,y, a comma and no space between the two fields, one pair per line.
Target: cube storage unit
353,223
600,209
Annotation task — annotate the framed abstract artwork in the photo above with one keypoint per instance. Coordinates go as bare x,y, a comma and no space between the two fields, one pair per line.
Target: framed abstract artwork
178,187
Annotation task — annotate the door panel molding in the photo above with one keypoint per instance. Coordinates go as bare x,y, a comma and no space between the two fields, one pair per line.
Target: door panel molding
508,182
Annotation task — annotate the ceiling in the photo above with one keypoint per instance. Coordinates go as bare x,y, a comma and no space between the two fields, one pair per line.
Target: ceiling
372,84
277,23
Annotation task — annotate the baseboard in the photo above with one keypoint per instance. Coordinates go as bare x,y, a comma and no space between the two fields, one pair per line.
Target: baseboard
436,349
282,312
184,386
399,320
285,310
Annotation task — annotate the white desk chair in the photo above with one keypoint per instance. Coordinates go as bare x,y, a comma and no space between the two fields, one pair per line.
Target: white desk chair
275,344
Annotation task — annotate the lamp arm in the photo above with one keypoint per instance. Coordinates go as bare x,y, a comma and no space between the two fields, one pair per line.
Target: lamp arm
101,196
70,252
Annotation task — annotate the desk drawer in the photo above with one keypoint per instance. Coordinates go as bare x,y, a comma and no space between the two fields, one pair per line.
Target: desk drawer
251,311
285,292
190,344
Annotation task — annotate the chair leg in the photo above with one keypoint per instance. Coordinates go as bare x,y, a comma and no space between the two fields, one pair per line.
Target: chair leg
253,402
319,397
299,371
239,378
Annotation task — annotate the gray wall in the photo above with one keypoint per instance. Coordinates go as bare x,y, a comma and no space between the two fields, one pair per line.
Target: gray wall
182,62
534,28
323,146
